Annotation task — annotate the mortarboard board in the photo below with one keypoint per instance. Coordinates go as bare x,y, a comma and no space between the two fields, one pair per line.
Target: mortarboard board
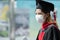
45,6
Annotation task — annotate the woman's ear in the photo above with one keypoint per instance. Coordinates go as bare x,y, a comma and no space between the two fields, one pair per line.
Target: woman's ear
46,15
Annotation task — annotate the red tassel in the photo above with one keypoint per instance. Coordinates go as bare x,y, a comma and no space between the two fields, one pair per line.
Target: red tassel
55,15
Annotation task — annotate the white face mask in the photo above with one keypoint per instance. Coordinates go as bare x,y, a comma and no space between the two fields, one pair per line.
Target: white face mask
40,18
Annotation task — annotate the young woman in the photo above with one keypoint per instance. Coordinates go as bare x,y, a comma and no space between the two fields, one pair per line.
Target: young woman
49,29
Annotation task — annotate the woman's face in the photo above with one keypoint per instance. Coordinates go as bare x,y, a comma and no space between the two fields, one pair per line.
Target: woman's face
41,16
39,12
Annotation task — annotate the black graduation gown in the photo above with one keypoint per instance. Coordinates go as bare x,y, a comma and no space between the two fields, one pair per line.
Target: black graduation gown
51,33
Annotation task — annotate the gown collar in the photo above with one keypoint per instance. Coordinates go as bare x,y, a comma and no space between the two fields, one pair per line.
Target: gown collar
46,24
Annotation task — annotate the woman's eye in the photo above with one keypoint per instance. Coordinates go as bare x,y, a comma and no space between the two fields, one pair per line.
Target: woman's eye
38,13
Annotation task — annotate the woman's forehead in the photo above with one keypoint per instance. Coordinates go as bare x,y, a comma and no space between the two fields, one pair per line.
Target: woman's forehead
38,11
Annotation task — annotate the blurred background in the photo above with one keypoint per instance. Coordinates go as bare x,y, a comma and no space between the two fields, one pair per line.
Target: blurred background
26,26
4,24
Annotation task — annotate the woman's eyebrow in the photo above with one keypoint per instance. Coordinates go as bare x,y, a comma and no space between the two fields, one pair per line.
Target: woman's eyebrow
39,13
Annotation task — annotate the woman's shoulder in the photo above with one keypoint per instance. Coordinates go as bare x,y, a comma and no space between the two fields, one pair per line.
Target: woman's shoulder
52,30
51,27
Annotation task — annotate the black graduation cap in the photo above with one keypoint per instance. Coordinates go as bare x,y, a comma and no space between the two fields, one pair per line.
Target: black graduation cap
45,6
